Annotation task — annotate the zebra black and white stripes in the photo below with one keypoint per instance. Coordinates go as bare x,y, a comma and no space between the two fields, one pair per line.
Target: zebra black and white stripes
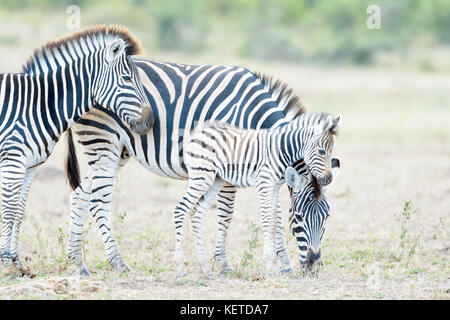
181,96
217,153
62,81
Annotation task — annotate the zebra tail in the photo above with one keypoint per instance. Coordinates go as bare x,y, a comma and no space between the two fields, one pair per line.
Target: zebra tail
71,166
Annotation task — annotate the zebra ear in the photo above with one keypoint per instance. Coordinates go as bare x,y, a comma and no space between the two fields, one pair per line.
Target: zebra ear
115,50
294,179
336,124
335,167
328,123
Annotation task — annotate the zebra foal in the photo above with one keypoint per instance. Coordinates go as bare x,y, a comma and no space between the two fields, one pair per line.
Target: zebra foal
217,154
61,82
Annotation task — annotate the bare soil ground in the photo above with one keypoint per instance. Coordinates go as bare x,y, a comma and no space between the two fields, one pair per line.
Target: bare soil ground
394,147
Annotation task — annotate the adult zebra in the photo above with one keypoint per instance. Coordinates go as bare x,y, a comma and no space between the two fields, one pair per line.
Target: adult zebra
63,80
217,153
180,96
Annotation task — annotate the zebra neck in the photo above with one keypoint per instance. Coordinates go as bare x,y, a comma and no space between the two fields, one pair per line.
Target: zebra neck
54,100
289,145
72,76
71,89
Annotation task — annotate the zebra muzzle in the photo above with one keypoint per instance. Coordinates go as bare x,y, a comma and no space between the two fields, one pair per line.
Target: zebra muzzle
145,123
325,180
313,262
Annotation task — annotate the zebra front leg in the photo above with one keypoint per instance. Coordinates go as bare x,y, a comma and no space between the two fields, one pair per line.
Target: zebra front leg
225,208
13,177
282,251
197,221
267,195
79,208
29,175
186,207
100,208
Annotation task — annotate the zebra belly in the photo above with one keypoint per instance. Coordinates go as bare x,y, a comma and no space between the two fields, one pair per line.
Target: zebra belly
241,176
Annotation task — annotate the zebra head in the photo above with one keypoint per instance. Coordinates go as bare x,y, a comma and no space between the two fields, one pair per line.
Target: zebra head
319,148
118,86
308,213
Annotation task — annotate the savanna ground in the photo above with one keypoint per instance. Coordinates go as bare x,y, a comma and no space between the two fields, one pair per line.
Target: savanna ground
388,235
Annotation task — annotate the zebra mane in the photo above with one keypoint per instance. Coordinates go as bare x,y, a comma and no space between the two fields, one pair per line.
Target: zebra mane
317,189
216,124
333,128
96,34
284,95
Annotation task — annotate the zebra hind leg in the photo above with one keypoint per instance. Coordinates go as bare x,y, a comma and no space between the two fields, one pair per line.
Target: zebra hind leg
282,251
225,209
188,204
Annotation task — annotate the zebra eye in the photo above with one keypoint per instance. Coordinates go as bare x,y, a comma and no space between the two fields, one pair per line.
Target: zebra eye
322,152
126,78
299,215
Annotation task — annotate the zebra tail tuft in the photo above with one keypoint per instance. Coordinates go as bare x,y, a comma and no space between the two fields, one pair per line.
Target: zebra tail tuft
71,166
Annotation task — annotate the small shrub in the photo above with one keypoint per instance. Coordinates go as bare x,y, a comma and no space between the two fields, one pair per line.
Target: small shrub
247,256
408,246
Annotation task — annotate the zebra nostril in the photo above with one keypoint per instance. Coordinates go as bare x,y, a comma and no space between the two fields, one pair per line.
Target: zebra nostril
325,180
312,255
148,117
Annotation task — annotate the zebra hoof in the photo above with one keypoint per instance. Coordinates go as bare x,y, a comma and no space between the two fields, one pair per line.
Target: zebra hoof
6,259
121,266
181,273
206,270
28,273
287,271
25,271
226,272
84,272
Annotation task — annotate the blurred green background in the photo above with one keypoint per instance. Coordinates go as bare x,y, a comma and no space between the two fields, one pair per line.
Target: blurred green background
414,34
